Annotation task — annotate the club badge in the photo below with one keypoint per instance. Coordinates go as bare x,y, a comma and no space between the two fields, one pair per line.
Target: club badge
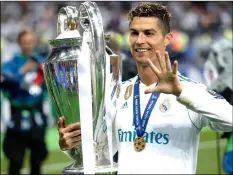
128,92
165,106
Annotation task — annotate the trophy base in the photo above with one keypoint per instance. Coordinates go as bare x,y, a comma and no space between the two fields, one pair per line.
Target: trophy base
71,169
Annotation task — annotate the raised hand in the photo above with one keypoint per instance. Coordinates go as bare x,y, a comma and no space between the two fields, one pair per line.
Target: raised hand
168,81
69,136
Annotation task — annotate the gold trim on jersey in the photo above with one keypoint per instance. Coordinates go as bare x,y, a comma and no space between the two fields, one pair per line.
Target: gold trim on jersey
128,92
118,91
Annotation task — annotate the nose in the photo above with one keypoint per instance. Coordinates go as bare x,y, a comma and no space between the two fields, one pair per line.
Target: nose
140,38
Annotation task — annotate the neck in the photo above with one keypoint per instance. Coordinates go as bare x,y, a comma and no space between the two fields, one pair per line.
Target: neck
146,75
27,54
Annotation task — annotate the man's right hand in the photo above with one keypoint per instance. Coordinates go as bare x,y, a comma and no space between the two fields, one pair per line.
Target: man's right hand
30,65
69,136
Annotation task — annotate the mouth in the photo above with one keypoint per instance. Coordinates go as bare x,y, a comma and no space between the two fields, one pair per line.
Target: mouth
141,50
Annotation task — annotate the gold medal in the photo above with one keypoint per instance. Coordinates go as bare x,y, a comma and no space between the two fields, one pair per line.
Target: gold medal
139,144
118,91
128,91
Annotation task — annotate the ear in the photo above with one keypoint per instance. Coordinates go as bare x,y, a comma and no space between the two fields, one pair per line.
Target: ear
167,39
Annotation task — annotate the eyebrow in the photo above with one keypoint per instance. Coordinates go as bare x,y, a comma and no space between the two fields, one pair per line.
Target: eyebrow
146,30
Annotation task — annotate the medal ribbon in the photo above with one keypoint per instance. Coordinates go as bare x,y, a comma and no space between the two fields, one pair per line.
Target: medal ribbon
141,123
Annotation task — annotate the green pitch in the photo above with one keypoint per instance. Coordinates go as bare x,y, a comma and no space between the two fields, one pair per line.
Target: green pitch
56,161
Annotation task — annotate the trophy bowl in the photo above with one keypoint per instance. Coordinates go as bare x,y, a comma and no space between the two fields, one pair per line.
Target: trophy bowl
75,76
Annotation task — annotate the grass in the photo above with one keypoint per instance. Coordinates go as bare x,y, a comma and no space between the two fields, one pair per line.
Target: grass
56,161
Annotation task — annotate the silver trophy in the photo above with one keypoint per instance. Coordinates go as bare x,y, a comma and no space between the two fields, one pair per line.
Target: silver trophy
77,75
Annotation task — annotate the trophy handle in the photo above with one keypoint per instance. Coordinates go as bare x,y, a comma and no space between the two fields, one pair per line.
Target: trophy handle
67,19
91,22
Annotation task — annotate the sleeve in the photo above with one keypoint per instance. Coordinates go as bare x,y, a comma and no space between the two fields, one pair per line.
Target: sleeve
207,108
10,71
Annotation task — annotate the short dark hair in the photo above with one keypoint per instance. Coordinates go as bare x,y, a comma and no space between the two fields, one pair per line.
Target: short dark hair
147,9
22,33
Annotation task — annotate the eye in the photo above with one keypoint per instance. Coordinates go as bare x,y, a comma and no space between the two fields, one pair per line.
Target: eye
148,33
134,33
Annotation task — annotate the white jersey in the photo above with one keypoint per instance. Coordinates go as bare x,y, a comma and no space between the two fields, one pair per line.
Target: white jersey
173,131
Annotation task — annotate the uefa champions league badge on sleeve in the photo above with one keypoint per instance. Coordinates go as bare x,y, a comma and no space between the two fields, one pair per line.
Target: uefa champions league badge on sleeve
215,94
128,92
165,106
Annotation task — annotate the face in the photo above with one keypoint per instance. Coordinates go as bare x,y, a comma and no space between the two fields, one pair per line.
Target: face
27,43
145,38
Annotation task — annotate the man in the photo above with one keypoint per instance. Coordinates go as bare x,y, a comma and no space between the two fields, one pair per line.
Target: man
23,82
159,113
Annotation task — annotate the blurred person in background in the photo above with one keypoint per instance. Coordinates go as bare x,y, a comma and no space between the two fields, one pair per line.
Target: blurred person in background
22,81
117,43
218,77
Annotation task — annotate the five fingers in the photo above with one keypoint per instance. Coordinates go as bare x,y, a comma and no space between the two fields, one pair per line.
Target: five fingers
165,64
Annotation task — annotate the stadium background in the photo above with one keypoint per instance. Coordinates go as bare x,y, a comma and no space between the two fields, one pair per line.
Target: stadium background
196,25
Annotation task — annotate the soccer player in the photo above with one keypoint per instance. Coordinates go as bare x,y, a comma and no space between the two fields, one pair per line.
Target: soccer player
159,113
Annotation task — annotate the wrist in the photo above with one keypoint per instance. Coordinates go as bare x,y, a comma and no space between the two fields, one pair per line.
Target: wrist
179,90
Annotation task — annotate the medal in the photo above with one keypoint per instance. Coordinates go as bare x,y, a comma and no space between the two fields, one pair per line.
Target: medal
141,123
139,144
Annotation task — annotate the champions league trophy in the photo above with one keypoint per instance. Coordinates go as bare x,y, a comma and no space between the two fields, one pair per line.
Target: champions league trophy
77,75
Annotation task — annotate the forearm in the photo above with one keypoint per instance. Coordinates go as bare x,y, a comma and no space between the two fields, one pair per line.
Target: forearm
211,107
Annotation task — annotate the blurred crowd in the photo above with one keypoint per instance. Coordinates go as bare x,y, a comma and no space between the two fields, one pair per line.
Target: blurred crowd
195,24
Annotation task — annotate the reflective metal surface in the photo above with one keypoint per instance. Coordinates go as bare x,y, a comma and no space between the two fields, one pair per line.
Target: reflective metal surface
61,77
60,71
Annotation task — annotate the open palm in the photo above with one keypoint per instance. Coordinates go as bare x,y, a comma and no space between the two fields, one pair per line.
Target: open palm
168,81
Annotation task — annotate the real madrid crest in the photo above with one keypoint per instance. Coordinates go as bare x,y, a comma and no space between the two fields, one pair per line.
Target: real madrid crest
165,105
128,92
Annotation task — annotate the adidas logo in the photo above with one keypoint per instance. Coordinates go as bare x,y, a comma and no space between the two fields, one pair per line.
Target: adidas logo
125,105
114,103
